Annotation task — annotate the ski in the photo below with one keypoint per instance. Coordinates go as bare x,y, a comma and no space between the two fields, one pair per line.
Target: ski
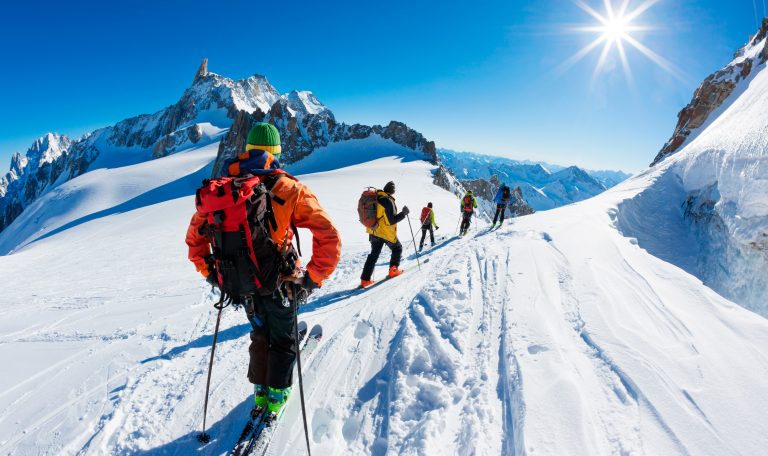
263,427
386,279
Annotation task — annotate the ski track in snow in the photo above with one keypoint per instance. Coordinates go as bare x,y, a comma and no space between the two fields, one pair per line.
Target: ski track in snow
553,335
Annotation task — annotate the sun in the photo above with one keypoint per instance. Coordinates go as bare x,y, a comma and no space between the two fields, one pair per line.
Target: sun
614,29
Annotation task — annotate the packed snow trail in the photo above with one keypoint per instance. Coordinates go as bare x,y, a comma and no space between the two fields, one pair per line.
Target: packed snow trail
552,335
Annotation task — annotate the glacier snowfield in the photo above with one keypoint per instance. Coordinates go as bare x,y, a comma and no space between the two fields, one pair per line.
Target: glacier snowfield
554,335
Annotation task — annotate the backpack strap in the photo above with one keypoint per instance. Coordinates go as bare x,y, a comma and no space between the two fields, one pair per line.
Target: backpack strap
296,235
269,182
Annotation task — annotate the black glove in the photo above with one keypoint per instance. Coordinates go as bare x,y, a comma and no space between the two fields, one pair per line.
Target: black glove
406,211
309,285
304,287
213,279
437,227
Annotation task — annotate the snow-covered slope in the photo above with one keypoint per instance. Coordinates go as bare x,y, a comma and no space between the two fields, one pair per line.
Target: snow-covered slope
715,191
555,335
544,186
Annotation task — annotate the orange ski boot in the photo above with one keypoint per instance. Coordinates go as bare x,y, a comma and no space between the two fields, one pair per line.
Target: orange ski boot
394,272
366,283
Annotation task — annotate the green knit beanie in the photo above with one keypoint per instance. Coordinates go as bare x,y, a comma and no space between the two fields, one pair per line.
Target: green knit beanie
264,136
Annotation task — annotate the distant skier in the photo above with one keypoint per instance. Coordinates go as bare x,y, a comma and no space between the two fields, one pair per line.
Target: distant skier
502,201
240,240
468,205
427,223
384,233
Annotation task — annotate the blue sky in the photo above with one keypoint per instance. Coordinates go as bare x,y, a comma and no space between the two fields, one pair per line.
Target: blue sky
480,76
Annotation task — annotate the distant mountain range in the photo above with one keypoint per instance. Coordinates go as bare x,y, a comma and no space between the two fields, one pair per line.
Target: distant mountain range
214,108
544,186
218,109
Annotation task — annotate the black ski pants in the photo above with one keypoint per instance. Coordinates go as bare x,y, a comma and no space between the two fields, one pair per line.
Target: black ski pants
377,244
466,219
273,349
500,210
424,229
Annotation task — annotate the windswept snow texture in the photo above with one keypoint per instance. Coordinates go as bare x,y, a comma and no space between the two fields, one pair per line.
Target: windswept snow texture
544,186
716,188
555,335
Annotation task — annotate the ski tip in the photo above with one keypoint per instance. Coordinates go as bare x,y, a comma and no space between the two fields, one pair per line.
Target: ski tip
316,331
203,437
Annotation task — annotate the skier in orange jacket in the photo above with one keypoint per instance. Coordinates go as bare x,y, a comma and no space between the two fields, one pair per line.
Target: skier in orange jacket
272,349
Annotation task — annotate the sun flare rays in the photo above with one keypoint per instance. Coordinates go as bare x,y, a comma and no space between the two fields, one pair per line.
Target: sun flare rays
614,29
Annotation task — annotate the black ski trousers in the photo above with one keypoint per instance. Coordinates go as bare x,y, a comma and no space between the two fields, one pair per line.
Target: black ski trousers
273,349
377,244
500,210
466,219
424,229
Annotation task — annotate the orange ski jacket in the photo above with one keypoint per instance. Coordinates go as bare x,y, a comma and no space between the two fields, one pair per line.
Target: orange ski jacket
303,209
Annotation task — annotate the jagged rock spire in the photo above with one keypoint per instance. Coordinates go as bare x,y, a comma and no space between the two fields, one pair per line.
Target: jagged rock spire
202,71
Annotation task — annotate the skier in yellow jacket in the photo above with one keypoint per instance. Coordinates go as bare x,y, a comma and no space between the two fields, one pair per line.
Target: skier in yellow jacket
384,233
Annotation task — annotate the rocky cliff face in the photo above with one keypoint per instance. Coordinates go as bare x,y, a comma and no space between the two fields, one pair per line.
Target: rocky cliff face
302,132
716,89
518,207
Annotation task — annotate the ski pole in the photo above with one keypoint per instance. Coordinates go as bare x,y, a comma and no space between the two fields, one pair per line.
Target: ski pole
414,242
298,362
203,437
295,303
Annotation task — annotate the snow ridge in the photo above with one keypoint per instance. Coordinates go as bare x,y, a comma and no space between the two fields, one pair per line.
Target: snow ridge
717,186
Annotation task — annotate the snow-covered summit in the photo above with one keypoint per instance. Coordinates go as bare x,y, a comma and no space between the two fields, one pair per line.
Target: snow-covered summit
305,102
215,91
31,174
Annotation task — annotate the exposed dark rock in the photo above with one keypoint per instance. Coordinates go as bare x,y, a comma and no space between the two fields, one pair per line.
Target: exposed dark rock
710,95
518,207
202,71
302,133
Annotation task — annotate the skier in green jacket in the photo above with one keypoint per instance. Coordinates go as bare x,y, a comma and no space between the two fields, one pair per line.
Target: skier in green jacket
427,223
468,205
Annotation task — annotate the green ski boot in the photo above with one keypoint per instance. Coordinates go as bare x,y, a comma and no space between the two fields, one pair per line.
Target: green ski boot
277,399
260,394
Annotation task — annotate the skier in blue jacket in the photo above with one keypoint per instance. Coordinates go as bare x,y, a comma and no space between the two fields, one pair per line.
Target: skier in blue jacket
502,200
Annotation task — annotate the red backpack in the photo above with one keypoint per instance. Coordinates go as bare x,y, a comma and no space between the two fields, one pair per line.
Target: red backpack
424,215
239,223
366,207
468,204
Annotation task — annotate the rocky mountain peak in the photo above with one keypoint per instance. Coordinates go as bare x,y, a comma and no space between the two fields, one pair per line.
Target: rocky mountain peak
305,102
202,71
